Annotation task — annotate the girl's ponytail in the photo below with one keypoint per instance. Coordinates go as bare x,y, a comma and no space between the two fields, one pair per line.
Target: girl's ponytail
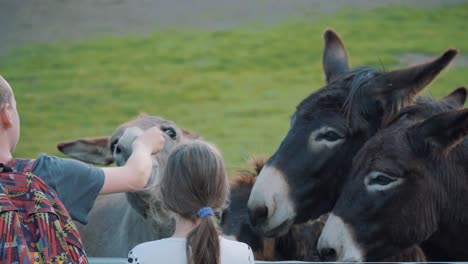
203,245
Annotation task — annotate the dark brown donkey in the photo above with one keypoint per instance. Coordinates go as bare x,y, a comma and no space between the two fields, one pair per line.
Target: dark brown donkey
304,177
408,184
118,222
299,243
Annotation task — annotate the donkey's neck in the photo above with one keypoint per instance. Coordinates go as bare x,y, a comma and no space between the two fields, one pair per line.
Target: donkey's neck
414,253
152,211
453,217
144,201
453,176
140,201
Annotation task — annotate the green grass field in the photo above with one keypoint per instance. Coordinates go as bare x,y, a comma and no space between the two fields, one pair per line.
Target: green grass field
236,88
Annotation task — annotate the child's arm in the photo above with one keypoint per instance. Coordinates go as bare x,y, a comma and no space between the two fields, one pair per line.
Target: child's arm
134,175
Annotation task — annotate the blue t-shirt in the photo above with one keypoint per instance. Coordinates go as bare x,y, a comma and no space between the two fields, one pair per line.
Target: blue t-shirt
76,183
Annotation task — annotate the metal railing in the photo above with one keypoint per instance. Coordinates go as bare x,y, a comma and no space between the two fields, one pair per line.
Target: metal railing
124,261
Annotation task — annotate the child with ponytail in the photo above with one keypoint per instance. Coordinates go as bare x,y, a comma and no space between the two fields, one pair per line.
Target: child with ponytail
194,184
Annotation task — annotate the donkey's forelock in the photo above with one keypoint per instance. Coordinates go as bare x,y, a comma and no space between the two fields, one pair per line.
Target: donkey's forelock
357,97
345,93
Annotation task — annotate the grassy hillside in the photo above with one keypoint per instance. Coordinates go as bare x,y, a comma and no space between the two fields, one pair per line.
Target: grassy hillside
236,88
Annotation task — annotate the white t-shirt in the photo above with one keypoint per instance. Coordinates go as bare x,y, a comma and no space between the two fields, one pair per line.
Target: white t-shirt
172,251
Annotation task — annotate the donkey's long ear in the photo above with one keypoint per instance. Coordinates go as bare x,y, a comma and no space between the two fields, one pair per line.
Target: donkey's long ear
397,89
91,150
415,78
335,58
442,131
190,134
456,98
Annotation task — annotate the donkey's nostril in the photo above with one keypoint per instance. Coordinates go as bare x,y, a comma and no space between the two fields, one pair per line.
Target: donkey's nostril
327,254
258,215
118,149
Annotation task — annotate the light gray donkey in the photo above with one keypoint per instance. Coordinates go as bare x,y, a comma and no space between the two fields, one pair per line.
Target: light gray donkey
118,222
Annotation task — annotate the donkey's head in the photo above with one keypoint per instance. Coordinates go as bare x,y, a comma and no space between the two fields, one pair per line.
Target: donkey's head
298,244
394,196
304,177
235,223
118,147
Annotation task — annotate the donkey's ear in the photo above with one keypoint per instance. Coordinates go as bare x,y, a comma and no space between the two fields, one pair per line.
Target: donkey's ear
92,150
397,89
456,98
412,80
335,58
190,134
443,131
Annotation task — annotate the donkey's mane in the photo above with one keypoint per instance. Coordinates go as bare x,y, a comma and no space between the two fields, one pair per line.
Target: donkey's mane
360,77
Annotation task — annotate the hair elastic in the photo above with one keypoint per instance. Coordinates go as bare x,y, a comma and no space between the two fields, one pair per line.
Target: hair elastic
205,211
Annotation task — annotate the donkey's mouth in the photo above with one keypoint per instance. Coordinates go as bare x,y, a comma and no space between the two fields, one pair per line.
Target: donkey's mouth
279,230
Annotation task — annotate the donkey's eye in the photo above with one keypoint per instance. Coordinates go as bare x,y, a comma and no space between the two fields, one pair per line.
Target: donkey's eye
329,136
170,131
112,146
381,180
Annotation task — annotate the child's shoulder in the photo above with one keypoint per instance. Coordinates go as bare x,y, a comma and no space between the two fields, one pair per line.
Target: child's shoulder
232,243
234,250
160,242
163,248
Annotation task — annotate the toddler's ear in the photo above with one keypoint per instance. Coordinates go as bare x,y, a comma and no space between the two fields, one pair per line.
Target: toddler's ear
5,116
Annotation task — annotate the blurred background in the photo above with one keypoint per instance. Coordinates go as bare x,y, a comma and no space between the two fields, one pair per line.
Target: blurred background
231,71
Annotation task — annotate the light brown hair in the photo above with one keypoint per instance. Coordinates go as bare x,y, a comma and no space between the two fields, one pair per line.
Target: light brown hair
5,91
195,177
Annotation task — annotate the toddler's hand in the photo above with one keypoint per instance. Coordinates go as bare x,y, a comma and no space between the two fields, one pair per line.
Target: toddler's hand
152,138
